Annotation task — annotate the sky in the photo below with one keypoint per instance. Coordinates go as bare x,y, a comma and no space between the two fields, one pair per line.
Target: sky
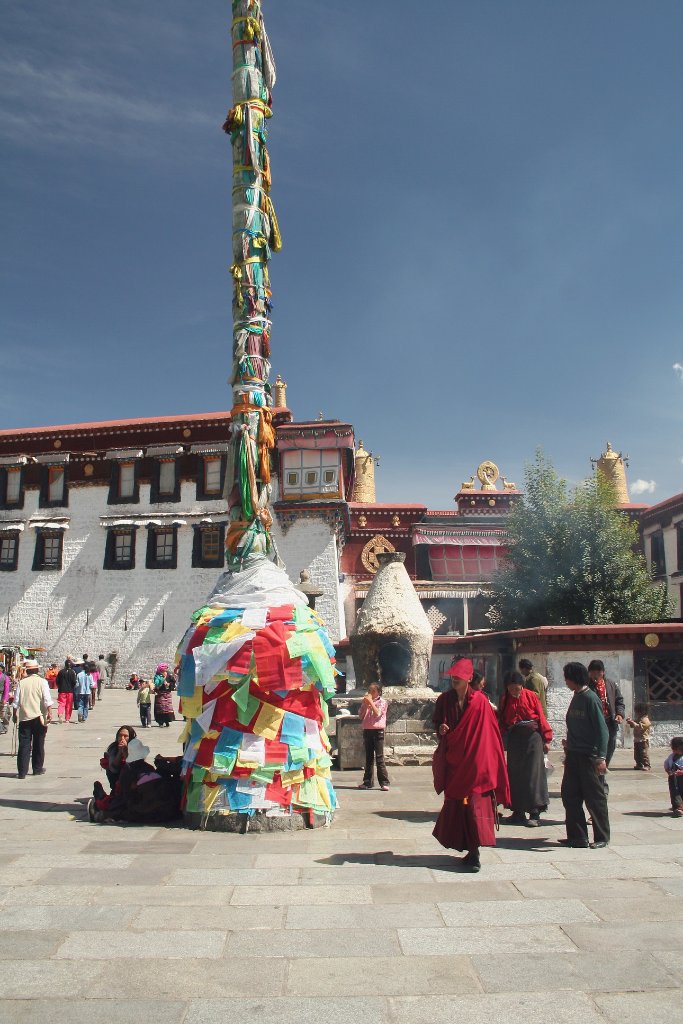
481,205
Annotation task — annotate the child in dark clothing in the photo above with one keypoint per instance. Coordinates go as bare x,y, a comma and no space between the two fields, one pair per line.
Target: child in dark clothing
673,766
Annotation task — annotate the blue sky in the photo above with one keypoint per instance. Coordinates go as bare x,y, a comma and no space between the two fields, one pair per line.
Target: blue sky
481,206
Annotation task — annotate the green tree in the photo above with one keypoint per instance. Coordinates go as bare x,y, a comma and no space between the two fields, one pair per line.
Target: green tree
573,559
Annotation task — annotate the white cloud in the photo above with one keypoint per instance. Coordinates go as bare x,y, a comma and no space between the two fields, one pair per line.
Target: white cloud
678,367
643,486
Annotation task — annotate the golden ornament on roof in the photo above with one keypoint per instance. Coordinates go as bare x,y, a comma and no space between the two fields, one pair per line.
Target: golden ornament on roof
488,473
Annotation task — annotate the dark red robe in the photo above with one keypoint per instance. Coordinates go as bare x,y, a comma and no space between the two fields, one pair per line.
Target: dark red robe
476,775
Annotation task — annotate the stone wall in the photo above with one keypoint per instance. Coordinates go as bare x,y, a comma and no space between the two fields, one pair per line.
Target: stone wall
137,615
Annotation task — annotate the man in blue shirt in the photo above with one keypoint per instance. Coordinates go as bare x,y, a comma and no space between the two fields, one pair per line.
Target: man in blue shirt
82,691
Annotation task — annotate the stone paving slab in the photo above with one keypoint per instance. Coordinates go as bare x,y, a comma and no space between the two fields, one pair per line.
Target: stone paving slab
347,976
369,920
177,945
65,919
646,936
215,918
367,1010
291,895
581,972
93,1011
514,912
480,889
587,888
364,918
493,939
572,1008
636,1007
197,978
304,943
633,911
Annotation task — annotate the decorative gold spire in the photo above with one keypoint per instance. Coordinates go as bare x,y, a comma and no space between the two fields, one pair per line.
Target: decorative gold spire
280,393
364,482
612,466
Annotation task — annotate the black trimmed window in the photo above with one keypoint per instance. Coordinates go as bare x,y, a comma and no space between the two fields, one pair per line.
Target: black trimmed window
54,492
657,556
124,487
208,546
165,484
49,549
9,551
12,487
162,547
119,552
210,476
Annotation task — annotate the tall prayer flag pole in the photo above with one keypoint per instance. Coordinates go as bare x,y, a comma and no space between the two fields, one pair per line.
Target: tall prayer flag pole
256,667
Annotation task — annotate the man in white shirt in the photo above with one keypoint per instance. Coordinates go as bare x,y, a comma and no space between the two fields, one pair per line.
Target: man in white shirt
32,708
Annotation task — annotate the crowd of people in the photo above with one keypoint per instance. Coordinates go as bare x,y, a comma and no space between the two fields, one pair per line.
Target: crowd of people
470,765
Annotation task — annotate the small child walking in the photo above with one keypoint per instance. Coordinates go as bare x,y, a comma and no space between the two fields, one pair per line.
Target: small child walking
373,715
642,727
673,766
145,703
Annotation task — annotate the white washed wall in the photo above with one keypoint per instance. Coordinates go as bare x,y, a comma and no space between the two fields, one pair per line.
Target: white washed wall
138,614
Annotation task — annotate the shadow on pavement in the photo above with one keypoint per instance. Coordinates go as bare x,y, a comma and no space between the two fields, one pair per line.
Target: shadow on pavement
387,858
418,817
42,806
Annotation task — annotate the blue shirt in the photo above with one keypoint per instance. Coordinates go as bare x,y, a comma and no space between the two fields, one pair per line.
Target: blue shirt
84,683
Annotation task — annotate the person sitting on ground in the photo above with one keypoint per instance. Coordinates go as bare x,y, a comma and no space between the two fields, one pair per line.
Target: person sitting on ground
528,736
134,682
144,793
673,766
642,727
116,753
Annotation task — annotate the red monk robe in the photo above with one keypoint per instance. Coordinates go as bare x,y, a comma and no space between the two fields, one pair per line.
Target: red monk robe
476,775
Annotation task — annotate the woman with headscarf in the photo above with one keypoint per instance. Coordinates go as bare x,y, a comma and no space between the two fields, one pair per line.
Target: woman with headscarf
143,792
163,697
528,735
471,773
116,753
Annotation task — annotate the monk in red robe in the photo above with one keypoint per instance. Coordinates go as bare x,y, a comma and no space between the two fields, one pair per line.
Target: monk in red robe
475,778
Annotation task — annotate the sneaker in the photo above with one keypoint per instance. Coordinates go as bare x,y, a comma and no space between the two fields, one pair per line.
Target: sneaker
385,789
91,810
600,844
41,771
677,811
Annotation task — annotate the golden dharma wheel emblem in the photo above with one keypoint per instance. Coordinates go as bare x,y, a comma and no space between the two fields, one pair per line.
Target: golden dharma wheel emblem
372,549
488,473
651,640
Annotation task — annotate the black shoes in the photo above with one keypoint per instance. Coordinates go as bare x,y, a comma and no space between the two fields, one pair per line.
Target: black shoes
599,845
574,844
41,771
471,862
516,819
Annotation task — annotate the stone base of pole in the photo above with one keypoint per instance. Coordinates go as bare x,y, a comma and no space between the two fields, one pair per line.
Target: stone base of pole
257,822
409,738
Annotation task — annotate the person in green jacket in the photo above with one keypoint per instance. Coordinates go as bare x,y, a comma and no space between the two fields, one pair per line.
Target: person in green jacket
533,680
585,765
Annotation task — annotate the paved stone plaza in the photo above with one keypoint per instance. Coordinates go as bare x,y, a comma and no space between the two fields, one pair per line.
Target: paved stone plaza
366,921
